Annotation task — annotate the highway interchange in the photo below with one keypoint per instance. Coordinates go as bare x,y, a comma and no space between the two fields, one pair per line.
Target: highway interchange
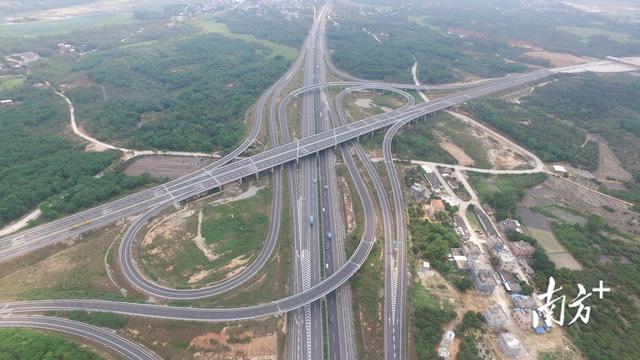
320,270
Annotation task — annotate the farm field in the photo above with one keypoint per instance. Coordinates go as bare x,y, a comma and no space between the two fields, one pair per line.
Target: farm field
556,252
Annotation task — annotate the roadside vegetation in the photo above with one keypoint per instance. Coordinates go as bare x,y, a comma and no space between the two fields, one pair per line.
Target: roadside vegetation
569,109
78,272
29,344
108,320
40,166
503,192
428,320
432,240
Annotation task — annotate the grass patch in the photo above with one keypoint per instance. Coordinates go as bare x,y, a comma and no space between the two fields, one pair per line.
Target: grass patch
112,321
237,229
209,25
271,282
585,33
234,231
76,272
367,302
423,21
428,319
458,132
11,82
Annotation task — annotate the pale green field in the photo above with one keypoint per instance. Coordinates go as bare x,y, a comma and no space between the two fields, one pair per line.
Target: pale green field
587,32
422,21
209,25
63,25
10,83
554,249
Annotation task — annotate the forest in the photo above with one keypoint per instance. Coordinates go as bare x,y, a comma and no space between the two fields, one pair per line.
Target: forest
538,24
441,58
188,94
269,24
531,126
19,344
37,162
601,104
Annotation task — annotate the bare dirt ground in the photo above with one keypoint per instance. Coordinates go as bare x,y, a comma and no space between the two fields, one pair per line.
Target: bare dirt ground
455,151
244,345
558,59
171,167
500,151
609,166
255,340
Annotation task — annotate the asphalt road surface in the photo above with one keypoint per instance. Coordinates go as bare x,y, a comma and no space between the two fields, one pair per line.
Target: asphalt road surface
106,338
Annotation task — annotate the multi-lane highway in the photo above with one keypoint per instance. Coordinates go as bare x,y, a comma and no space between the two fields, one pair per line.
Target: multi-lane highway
299,149
314,189
320,270
212,177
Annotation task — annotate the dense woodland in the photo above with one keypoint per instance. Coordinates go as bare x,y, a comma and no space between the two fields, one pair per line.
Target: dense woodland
441,58
271,25
531,126
602,104
21,344
37,162
187,94
453,39
534,23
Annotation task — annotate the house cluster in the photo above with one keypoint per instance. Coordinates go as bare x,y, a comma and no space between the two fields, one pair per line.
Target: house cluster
449,175
66,48
469,257
522,312
18,60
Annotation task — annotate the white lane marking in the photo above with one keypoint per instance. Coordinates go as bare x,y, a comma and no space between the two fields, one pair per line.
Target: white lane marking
167,190
213,177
